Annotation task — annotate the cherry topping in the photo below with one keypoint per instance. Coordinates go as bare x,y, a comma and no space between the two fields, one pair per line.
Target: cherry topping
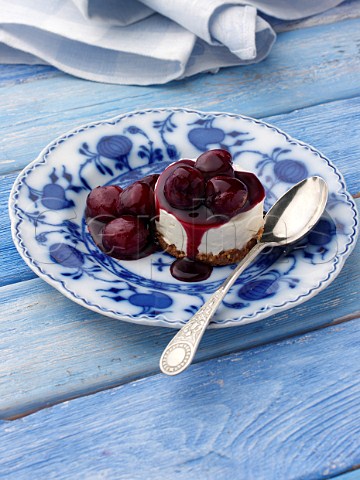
215,162
256,192
226,195
150,180
206,193
137,199
102,202
125,236
185,188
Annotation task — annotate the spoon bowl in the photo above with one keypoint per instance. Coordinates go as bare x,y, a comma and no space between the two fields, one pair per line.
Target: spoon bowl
296,212
288,220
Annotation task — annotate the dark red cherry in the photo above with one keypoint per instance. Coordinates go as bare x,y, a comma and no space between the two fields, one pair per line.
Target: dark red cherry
256,192
137,199
125,236
150,180
185,188
102,202
215,162
226,195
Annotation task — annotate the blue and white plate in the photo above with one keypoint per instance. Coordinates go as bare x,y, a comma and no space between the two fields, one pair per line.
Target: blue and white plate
47,214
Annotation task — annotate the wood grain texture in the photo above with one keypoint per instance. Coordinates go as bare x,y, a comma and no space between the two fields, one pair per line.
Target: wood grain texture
16,74
12,267
290,410
332,128
306,67
51,349
345,11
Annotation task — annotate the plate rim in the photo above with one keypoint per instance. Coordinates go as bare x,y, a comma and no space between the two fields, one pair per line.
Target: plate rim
160,319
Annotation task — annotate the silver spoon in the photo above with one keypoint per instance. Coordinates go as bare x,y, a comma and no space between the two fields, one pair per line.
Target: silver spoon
289,219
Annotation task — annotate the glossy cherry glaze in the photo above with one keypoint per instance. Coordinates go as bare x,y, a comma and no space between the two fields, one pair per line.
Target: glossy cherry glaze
126,235
137,199
256,192
226,195
204,215
187,270
151,180
199,220
96,229
128,239
102,202
214,163
184,188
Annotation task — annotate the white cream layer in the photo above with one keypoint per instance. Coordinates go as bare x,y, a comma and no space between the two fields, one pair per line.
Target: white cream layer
235,233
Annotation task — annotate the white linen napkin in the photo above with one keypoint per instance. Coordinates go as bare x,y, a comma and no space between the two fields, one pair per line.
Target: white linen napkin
114,12
142,42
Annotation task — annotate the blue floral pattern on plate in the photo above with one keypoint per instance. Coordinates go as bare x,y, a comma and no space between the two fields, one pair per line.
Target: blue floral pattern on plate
47,213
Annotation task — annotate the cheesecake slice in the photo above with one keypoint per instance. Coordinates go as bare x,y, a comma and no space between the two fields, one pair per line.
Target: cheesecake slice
208,210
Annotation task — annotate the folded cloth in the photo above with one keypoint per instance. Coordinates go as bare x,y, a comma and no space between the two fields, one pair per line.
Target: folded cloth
114,12
143,42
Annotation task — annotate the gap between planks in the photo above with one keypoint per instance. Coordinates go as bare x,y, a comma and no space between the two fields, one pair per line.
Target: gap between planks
352,474
284,412
348,318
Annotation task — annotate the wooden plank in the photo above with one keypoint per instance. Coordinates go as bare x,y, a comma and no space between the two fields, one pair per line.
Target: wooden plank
355,475
331,127
33,113
345,11
65,350
286,411
12,267
15,74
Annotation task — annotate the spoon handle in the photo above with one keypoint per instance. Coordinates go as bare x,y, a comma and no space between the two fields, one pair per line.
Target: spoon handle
180,352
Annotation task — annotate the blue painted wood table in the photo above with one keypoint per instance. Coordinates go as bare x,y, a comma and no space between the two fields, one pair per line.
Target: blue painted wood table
81,395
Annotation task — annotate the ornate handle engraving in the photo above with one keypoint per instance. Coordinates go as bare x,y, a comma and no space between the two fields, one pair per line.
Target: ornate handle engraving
180,352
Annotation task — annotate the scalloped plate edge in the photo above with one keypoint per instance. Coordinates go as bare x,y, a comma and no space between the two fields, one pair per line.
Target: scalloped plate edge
161,320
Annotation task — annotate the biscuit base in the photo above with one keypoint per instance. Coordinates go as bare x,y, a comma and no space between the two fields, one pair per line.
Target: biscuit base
226,257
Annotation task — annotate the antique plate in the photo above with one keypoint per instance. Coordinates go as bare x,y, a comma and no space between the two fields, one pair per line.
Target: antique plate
47,216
